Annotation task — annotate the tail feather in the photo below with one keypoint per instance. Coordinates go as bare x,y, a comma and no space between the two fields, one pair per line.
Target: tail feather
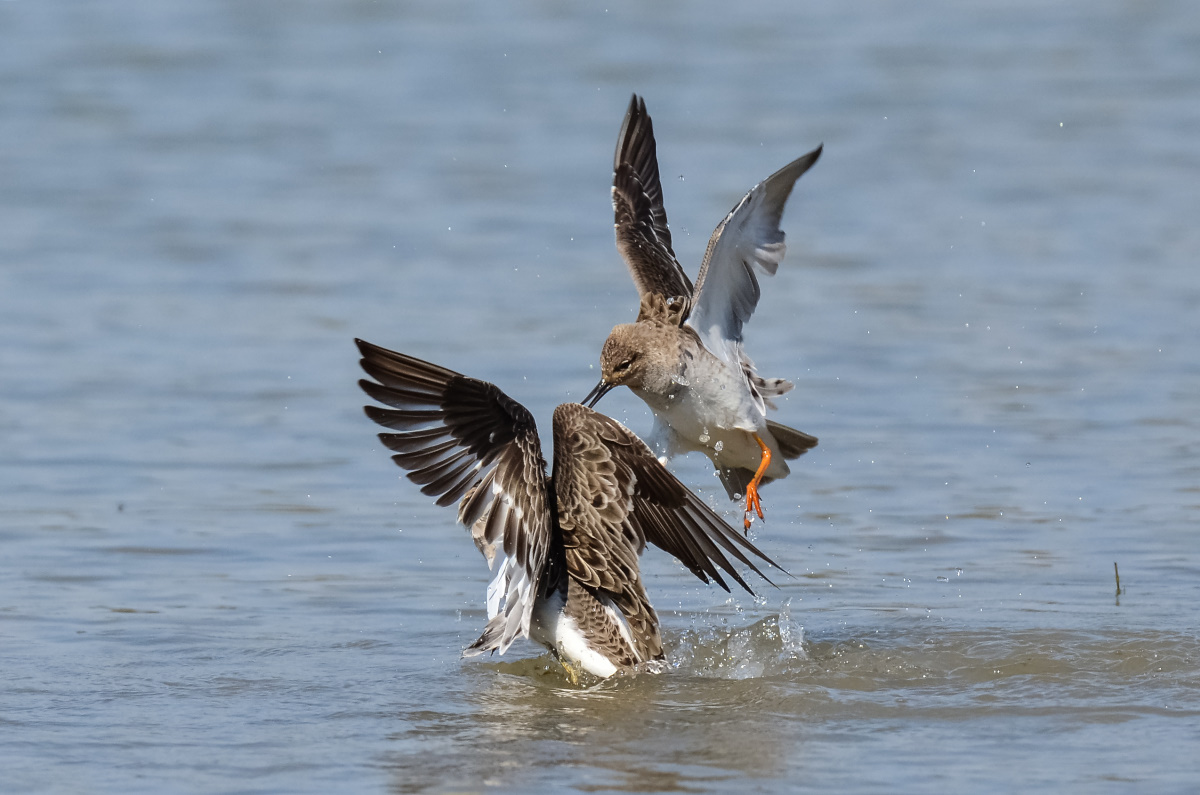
792,443
736,481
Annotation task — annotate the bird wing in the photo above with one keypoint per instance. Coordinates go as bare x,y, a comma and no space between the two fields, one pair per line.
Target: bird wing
614,496
643,238
749,237
464,439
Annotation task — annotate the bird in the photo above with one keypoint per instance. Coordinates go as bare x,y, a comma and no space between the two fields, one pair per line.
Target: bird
684,356
571,540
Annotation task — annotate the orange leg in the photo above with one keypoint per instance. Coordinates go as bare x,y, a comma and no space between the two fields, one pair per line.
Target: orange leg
753,503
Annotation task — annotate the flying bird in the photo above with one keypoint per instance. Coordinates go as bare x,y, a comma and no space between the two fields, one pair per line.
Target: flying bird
684,356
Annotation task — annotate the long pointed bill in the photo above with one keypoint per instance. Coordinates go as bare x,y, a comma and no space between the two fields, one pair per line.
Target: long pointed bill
594,396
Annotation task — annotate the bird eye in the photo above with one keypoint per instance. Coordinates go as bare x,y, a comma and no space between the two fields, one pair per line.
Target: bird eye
623,366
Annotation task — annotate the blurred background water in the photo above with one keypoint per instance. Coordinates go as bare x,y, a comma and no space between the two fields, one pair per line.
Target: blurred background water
211,580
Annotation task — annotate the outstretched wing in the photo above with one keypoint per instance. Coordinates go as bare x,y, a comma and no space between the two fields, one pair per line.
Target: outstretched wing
614,496
461,438
640,220
748,238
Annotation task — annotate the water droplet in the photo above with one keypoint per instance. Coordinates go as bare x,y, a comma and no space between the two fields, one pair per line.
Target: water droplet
719,446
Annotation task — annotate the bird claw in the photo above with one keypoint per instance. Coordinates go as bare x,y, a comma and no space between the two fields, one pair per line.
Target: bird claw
753,503
573,673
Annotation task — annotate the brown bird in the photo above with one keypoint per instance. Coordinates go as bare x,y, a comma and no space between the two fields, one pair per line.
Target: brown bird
570,541
684,356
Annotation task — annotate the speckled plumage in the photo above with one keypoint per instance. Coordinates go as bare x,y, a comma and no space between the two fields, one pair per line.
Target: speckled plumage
684,356
571,541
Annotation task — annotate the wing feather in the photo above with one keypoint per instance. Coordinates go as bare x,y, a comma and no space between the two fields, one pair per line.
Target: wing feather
639,218
464,439
614,496
747,239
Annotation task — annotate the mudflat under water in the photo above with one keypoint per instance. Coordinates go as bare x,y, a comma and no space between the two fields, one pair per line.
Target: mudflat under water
211,580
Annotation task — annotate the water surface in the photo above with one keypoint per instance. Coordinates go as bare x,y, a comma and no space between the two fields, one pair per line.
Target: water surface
211,579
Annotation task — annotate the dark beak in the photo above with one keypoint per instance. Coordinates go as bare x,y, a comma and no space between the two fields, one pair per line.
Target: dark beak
594,396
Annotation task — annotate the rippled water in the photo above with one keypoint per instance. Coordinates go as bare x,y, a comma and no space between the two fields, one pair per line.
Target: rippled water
211,579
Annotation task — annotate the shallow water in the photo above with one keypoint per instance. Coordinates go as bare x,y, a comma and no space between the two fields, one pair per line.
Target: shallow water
211,579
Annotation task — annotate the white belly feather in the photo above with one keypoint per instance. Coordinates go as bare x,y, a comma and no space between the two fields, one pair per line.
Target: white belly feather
561,634
718,423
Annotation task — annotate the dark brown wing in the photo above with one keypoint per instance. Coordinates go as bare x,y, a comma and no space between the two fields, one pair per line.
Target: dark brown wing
614,496
461,438
643,238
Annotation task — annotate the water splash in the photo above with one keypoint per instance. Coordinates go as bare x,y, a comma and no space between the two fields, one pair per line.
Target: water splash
769,647
791,632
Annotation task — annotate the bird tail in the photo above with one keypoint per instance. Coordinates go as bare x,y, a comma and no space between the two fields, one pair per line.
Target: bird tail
792,443
737,480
